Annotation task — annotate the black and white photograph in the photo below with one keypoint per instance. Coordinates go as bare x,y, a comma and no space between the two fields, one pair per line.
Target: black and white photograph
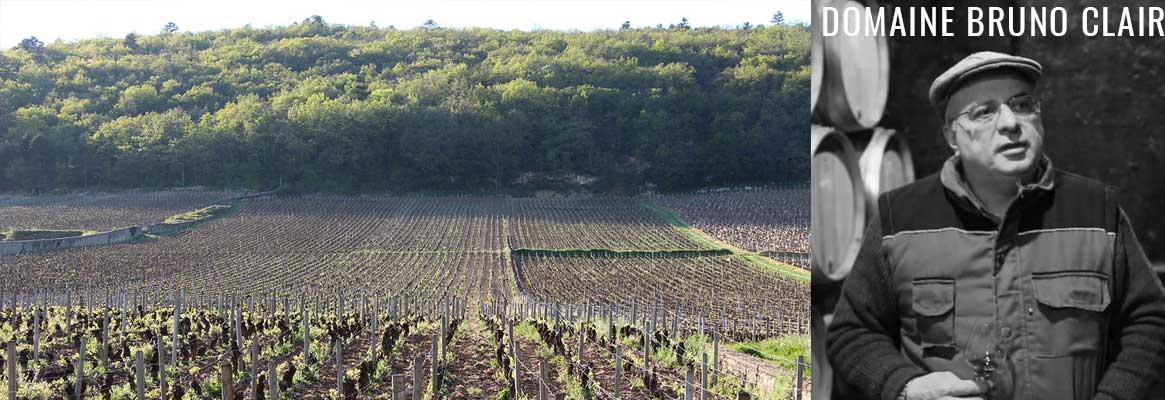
986,214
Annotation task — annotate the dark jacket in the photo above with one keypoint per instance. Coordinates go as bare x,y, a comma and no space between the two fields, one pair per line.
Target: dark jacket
1075,304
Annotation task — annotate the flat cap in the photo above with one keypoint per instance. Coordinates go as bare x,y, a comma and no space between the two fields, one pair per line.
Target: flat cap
944,85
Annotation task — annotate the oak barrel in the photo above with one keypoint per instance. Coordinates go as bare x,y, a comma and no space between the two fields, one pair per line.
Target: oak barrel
856,78
886,164
838,212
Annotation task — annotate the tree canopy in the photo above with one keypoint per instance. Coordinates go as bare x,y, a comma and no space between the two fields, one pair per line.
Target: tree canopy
353,108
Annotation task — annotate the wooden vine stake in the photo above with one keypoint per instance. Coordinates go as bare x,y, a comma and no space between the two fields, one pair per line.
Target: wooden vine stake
36,335
618,370
13,383
435,370
161,368
715,357
703,375
417,378
254,369
272,382
543,387
140,375
340,369
79,386
688,389
306,334
800,375
398,387
228,387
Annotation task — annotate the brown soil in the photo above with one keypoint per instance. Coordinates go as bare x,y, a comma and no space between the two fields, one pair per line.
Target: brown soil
602,363
353,351
471,375
757,371
417,344
528,370
670,380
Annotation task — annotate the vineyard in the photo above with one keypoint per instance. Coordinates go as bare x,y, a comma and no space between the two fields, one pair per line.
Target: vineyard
100,212
466,297
613,224
773,222
720,290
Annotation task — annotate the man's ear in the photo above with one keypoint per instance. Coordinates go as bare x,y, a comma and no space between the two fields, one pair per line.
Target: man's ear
949,135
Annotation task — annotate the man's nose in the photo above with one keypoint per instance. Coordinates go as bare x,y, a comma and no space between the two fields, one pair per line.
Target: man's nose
1006,123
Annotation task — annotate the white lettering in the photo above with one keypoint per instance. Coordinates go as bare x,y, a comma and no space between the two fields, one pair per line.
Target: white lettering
1156,16
947,19
1088,14
1104,22
1062,18
897,26
875,22
828,20
1040,22
1126,23
974,21
995,21
929,20
1022,21
912,22
1141,18
856,19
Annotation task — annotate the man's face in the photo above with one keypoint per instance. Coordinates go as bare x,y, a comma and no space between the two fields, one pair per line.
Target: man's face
991,123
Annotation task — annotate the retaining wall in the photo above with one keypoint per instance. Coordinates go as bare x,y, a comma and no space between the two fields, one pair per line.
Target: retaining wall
111,237
30,246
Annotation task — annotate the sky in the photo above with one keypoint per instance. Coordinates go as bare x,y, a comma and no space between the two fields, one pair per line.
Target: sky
68,20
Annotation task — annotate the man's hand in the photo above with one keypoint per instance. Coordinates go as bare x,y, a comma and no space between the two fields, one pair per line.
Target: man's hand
939,386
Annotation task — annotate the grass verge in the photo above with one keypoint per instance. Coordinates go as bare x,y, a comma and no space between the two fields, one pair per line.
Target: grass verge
781,351
709,241
198,214
36,234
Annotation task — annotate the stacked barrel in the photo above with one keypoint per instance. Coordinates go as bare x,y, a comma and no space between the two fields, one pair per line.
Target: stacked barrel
853,161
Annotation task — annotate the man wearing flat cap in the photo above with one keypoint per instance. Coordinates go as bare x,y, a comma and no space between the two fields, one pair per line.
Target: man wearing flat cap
999,277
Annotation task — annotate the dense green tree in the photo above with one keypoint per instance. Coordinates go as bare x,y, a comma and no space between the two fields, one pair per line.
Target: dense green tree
31,44
131,41
138,99
330,107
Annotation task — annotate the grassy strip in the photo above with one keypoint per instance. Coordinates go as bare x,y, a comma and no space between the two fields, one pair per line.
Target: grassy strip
226,213
709,241
783,352
690,232
780,351
36,234
777,267
218,211
198,214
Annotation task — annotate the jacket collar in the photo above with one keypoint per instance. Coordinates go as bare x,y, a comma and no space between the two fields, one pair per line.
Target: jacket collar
953,180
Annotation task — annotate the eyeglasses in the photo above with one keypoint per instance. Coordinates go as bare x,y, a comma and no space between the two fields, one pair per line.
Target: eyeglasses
1023,106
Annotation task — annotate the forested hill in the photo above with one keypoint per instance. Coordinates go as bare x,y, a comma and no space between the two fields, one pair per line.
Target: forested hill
332,107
